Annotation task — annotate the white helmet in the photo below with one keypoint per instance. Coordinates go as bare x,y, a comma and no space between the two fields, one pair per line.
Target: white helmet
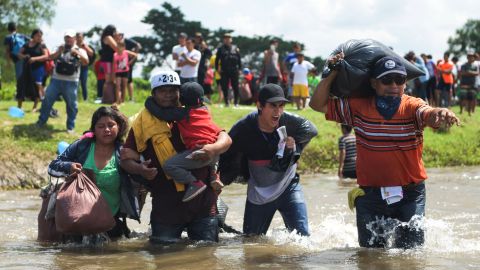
164,77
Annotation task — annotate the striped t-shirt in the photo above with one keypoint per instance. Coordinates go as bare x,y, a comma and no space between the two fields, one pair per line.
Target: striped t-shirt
389,152
347,143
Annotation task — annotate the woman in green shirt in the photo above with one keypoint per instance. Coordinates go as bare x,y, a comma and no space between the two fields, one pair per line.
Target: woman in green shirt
98,152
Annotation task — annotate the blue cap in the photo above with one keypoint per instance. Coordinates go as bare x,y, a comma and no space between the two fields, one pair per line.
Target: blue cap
246,71
387,65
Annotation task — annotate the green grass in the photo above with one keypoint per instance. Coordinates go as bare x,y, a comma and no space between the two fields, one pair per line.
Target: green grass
23,143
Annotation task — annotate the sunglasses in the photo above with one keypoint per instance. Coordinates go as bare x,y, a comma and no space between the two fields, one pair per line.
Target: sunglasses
390,78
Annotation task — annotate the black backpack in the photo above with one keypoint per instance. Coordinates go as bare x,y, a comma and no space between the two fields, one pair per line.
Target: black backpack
67,65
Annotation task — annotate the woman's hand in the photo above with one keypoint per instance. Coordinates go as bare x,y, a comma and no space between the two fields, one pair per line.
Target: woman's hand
75,168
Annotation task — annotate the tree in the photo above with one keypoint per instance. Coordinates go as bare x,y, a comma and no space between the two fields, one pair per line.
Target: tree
465,38
28,14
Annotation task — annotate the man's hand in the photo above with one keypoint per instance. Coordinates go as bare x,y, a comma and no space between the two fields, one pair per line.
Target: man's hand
75,168
290,142
127,153
442,116
147,172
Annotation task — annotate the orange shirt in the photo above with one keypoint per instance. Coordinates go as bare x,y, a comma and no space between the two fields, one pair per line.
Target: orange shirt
446,66
389,152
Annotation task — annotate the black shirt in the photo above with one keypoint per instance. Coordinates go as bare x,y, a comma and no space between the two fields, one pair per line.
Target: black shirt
36,50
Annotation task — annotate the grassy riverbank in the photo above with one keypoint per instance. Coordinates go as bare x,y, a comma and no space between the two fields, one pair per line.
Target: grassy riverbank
27,150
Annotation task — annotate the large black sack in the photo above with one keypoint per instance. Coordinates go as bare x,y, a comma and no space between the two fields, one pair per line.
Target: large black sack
353,78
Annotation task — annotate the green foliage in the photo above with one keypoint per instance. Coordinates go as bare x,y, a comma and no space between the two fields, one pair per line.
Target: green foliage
466,38
28,14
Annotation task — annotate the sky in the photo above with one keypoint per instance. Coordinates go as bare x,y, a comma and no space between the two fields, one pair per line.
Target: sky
419,25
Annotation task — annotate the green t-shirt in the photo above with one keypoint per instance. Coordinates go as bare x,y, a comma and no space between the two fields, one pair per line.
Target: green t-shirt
108,179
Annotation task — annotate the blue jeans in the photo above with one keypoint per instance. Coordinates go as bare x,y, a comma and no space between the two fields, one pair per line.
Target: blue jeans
291,205
203,229
83,81
18,69
398,225
68,90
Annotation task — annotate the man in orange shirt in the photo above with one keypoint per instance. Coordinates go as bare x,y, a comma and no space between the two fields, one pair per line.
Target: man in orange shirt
389,131
445,81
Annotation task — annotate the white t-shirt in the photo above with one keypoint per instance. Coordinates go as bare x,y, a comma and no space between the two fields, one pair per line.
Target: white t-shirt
76,75
178,50
189,71
300,72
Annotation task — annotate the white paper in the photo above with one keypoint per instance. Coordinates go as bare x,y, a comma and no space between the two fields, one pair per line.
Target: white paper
392,194
282,133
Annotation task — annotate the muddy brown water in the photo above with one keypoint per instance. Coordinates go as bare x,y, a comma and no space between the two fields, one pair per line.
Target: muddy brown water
452,237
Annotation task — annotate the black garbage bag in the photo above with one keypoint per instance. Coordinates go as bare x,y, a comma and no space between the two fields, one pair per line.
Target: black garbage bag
353,78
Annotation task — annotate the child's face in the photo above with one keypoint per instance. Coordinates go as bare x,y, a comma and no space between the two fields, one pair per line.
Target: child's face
121,48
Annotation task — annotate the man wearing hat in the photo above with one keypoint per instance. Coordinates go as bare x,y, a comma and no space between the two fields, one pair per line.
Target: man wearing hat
155,135
178,50
469,73
266,146
389,127
68,59
229,57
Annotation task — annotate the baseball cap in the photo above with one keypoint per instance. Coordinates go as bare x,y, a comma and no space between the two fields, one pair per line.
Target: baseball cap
227,35
271,93
163,78
69,33
387,65
182,35
471,52
191,94
246,71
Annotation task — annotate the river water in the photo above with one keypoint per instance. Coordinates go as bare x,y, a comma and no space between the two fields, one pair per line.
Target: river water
452,237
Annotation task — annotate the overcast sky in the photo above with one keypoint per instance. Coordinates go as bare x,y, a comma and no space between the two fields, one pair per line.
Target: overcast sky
418,25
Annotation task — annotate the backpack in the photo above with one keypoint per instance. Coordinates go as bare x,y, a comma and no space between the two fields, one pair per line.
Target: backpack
17,42
67,65
230,59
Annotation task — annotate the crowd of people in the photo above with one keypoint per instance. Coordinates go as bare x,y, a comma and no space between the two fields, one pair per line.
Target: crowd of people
174,150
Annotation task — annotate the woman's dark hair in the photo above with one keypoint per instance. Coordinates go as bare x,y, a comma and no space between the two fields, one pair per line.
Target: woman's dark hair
109,30
36,31
116,115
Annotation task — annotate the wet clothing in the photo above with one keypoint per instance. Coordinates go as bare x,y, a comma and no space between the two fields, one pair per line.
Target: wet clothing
385,220
78,152
252,157
107,179
389,155
167,206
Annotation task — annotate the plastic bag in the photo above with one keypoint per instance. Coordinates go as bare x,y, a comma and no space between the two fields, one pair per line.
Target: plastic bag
353,77
81,208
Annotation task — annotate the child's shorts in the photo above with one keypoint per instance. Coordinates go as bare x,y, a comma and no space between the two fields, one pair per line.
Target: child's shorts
38,74
300,90
121,74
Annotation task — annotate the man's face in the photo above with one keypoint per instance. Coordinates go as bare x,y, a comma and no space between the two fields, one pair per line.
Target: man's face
300,58
390,85
181,41
190,45
79,39
271,113
166,96
69,41
445,57
471,58
227,40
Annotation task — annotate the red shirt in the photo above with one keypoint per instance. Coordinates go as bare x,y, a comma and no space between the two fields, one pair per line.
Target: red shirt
389,152
198,128
99,70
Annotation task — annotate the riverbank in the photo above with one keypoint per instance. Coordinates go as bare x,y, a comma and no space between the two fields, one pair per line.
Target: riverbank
27,150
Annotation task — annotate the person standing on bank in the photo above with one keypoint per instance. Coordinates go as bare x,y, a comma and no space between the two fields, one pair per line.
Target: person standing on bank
390,171
188,62
84,68
13,42
229,57
266,146
64,80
